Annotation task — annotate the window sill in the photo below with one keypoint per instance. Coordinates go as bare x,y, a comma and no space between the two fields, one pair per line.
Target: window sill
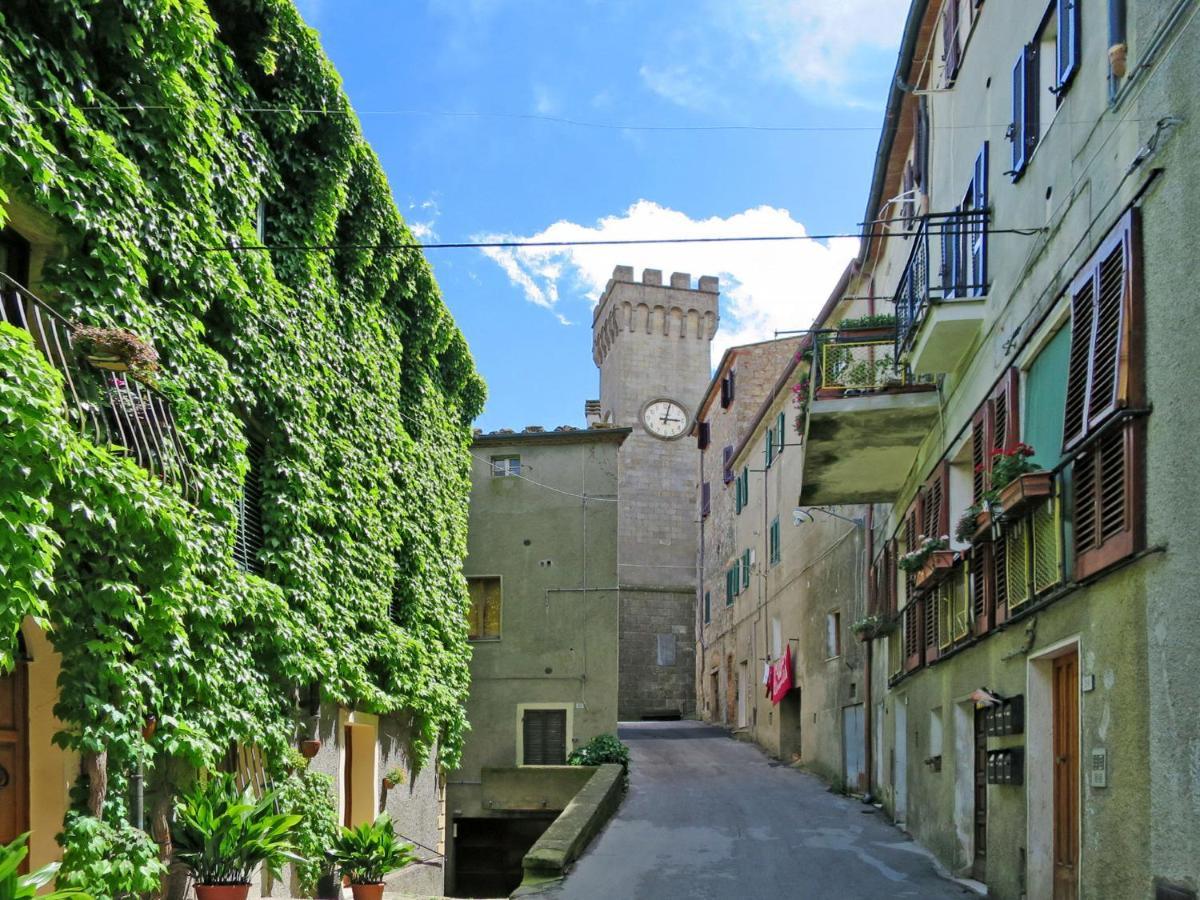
483,640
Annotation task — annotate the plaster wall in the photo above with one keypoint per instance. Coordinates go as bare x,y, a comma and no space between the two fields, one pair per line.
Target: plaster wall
1134,635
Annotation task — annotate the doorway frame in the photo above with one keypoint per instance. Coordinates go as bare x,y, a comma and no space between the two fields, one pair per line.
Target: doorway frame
1039,766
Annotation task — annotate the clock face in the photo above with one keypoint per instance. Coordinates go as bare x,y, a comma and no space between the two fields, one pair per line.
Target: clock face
665,419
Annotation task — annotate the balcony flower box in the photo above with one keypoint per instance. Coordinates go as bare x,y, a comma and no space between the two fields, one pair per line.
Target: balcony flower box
935,568
983,527
1024,491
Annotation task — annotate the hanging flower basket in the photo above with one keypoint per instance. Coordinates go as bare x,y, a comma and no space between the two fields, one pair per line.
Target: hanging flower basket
935,568
1025,490
310,748
983,527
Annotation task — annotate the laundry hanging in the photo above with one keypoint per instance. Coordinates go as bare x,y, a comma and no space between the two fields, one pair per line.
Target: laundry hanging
781,676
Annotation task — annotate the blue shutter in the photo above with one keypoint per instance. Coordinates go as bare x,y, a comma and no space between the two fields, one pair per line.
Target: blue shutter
1016,131
979,224
1067,42
950,248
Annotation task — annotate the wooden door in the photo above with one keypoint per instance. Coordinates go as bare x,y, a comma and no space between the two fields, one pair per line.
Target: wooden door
979,864
14,755
1066,777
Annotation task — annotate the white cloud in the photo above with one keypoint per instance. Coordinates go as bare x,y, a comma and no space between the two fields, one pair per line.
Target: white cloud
765,286
423,229
830,51
545,101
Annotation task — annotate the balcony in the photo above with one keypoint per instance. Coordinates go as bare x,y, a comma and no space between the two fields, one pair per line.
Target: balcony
866,418
942,294
109,408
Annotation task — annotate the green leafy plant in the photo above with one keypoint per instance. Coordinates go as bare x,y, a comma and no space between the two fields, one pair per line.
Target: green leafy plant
395,776
916,558
966,526
222,834
26,887
310,795
604,748
878,320
1010,463
873,625
367,854
112,862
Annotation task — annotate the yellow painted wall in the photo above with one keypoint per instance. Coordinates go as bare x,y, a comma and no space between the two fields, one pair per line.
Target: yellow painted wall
52,770
361,788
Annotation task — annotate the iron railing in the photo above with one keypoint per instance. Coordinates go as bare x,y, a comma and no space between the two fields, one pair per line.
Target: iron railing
109,408
948,262
863,365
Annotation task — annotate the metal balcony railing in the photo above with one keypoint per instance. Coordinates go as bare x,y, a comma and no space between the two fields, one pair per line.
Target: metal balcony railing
865,365
108,407
948,262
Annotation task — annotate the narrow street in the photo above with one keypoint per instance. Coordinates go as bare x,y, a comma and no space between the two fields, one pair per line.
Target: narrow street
709,817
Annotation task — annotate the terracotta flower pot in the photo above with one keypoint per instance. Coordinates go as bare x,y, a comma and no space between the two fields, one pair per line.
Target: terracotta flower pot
309,749
367,891
222,891
936,566
983,527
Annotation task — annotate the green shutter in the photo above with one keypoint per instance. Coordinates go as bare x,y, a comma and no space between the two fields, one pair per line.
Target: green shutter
1045,400
746,569
781,430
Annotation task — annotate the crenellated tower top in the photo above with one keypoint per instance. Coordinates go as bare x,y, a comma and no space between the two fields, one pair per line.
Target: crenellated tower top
648,307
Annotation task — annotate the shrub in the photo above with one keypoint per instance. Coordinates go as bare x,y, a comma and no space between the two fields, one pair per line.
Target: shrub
112,862
369,852
310,795
26,887
605,748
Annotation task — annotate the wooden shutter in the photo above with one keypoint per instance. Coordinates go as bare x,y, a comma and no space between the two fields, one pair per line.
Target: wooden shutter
1046,561
1024,128
908,206
977,227
1016,580
1108,499
932,609
950,40
1005,412
703,435
935,503
921,144
981,451
725,393
1104,366
998,580
705,500
544,737
1067,42
913,638
982,587
727,464
890,577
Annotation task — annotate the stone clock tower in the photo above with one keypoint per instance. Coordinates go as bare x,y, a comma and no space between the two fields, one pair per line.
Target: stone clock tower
651,342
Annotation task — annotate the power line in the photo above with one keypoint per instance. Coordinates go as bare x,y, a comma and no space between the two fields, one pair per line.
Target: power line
603,242
536,117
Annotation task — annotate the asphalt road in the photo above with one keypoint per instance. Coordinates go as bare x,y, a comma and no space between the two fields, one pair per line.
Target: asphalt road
710,817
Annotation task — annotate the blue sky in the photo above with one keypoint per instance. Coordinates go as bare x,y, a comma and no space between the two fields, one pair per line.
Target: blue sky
439,84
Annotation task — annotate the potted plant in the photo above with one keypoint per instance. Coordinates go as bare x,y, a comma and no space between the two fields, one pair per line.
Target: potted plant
395,776
870,627
14,886
115,349
367,854
1016,480
880,326
222,834
928,560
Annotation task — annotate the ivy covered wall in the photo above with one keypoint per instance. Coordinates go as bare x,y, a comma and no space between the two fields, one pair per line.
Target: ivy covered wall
148,132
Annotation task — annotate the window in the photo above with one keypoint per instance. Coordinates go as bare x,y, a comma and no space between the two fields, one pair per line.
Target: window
506,466
951,46
484,621
773,541
705,500
703,435
544,737
733,581
1045,395
248,542
935,732
1050,59
780,432
1118,48
833,634
727,464
769,447
745,486
1103,380
14,256
728,389
996,426
707,607
964,237
747,559
776,638
737,495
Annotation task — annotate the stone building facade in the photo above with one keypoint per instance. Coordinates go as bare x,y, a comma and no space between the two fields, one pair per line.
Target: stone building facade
731,403
651,342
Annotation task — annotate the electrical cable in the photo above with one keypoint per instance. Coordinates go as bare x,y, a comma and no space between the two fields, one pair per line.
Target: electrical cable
605,242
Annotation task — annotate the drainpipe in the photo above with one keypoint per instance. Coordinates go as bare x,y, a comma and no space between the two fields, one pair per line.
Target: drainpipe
868,725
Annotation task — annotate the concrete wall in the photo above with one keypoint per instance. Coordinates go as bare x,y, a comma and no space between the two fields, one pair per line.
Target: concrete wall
651,341
556,556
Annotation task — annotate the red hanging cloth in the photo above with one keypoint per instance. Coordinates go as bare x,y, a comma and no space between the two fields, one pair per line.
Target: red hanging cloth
781,676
